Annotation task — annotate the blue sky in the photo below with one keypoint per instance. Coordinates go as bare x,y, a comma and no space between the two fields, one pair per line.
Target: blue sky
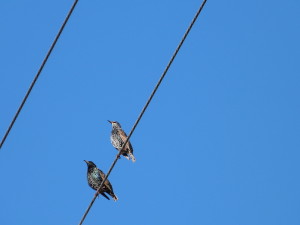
219,144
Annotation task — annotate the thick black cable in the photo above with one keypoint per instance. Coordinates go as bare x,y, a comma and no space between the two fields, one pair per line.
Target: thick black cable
144,109
38,74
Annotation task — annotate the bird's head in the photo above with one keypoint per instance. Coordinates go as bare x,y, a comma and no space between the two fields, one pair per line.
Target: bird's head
90,164
114,124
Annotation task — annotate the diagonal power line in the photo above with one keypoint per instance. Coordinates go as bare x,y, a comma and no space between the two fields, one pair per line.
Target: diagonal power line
145,107
37,74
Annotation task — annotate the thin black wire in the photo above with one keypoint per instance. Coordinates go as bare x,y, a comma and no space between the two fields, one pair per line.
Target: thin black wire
144,109
38,73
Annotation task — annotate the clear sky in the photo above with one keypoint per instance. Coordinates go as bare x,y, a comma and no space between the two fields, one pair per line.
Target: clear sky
218,145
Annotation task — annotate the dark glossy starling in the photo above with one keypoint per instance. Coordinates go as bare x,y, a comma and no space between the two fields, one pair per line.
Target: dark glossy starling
95,176
118,138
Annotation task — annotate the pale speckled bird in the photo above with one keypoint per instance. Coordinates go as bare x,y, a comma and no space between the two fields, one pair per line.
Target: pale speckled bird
118,138
95,177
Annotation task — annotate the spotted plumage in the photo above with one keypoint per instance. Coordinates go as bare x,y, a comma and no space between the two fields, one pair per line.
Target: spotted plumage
118,138
95,176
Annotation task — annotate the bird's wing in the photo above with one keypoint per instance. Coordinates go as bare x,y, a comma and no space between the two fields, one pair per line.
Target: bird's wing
107,184
123,136
101,174
130,146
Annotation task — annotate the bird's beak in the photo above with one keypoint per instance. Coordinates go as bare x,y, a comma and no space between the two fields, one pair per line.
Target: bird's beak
109,121
87,162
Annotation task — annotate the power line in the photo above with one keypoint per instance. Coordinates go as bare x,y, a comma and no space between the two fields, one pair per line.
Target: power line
38,74
144,109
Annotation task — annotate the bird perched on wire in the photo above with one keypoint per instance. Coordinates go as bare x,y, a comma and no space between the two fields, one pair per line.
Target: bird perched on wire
118,138
95,176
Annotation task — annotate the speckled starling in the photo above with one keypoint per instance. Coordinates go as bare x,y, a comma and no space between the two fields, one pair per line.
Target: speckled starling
118,138
95,176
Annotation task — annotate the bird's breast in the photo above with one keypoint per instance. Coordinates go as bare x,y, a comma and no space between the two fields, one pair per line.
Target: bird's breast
96,176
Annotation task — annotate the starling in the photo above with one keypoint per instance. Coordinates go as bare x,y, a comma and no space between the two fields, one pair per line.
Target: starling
95,176
118,138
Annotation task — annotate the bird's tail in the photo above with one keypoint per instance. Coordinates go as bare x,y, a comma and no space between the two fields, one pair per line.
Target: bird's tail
105,196
115,198
132,157
127,157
